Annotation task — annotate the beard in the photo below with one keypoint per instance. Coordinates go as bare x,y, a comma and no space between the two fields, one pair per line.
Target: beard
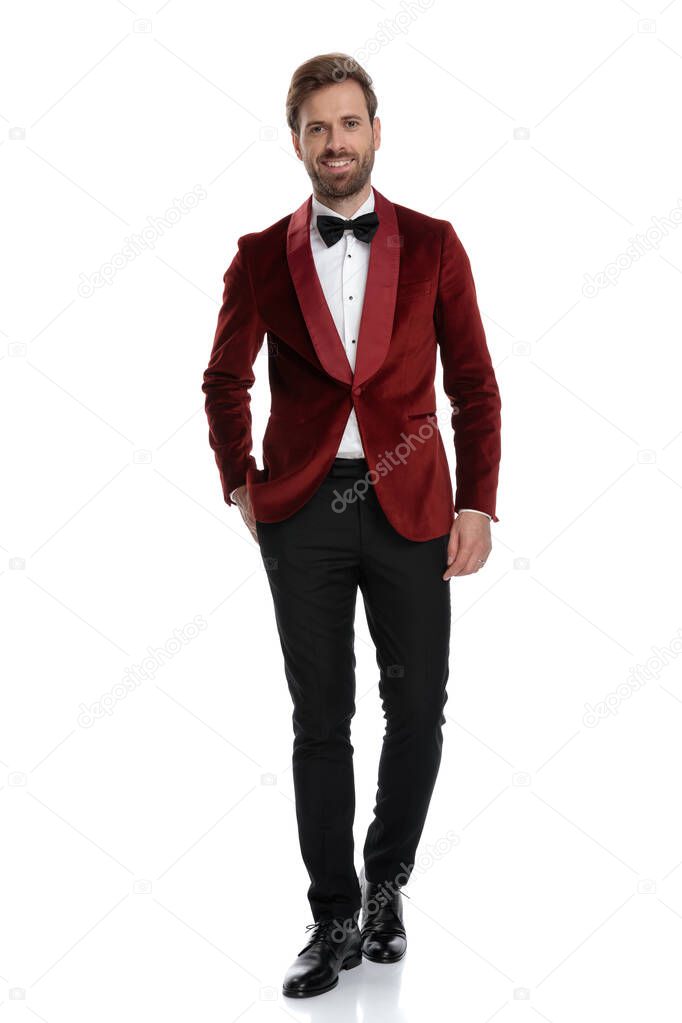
329,185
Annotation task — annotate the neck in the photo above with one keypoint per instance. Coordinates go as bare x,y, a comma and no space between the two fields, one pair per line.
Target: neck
346,205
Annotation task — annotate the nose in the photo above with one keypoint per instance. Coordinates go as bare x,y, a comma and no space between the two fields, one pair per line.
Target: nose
335,142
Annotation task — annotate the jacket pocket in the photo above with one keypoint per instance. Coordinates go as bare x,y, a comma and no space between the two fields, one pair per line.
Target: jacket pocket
422,287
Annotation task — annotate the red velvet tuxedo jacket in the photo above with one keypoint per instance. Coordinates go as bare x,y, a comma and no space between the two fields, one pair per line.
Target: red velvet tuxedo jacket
419,298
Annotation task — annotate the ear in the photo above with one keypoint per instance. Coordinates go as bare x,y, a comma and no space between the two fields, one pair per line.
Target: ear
296,144
376,129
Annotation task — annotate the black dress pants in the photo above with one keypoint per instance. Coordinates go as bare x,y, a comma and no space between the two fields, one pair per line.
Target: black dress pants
315,561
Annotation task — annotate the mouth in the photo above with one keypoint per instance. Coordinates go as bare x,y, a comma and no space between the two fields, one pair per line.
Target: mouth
338,166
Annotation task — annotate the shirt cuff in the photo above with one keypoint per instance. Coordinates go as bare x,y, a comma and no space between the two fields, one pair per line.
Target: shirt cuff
477,512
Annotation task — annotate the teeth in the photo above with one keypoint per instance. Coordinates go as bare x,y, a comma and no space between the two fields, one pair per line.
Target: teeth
336,163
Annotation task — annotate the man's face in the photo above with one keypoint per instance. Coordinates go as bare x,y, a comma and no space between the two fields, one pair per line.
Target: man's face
335,129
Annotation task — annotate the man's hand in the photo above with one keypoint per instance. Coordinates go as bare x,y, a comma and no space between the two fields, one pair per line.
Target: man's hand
469,544
243,502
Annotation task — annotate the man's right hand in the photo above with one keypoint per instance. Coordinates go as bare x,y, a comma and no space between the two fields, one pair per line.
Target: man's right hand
243,502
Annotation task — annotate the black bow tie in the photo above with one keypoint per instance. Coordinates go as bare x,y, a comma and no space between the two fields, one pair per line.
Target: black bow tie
332,228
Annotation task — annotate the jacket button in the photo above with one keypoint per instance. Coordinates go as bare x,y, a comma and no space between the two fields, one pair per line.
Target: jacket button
357,390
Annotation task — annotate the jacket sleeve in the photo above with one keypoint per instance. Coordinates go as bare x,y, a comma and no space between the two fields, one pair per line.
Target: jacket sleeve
468,379
229,376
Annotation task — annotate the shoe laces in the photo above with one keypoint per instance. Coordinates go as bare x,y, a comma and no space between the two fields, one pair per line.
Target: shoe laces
382,905
322,930
396,888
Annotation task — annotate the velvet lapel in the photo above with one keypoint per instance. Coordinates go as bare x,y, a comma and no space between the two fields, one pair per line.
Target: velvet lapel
378,308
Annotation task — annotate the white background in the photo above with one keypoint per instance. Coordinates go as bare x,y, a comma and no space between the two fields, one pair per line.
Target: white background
150,863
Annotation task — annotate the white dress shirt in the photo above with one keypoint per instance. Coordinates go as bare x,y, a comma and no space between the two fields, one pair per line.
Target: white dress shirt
342,270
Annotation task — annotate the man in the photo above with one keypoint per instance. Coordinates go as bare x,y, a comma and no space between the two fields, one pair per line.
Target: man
356,296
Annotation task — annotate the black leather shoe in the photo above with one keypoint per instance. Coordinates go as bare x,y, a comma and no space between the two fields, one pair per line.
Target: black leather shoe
383,931
331,948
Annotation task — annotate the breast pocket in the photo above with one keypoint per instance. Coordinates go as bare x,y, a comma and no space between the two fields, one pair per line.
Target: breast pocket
412,288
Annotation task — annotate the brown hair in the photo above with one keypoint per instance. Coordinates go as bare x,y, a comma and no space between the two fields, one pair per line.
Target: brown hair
326,69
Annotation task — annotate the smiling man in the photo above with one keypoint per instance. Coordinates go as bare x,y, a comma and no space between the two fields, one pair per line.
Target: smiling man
358,296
